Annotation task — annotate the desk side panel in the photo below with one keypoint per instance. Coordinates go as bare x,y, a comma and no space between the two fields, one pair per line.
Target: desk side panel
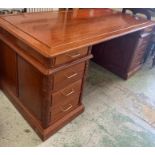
116,55
8,68
30,87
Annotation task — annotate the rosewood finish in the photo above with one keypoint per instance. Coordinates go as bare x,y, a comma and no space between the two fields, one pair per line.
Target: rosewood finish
44,58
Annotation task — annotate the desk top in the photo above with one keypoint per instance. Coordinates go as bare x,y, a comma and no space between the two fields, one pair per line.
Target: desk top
52,33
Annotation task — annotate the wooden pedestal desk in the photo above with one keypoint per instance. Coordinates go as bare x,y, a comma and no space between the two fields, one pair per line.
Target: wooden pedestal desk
44,58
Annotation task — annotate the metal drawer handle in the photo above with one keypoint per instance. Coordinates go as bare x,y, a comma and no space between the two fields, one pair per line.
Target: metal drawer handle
68,94
64,110
72,75
74,55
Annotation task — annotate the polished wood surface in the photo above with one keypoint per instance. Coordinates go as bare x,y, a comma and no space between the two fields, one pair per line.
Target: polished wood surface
67,76
123,55
53,33
45,56
65,100
30,87
8,72
70,56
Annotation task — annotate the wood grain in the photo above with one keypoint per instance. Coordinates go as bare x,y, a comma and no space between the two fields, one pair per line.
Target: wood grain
45,55
52,33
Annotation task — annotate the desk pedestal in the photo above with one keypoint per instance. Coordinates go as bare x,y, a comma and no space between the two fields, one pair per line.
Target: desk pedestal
124,55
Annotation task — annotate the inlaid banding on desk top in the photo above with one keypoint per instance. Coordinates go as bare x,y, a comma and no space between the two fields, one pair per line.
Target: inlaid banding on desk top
53,29
61,29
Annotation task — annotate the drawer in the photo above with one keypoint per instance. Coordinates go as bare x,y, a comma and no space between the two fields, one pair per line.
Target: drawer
65,100
145,35
64,95
135,64
138,57
138,60
144,39
142,43
140,50
68,76
71,56
62,110
142,46
148,29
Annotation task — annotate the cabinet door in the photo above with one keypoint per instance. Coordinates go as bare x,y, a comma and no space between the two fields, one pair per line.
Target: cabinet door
8,68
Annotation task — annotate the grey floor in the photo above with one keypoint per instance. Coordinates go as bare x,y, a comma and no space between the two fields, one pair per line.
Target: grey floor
117,113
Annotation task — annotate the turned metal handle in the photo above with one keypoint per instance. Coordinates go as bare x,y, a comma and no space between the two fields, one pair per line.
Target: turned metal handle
74,55
68,94
66,109
72,75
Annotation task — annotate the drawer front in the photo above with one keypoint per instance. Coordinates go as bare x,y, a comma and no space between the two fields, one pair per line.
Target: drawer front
62,110
140,50
68,76
143,41
138,59
138,56
142,46
65,100
135,64
148,29
146,33
71,56
64,95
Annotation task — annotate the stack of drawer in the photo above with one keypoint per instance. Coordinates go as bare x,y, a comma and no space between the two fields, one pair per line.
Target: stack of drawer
124,55
67,83
48,93
140,49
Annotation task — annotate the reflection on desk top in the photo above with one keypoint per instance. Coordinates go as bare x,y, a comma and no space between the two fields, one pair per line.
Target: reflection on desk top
60,31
